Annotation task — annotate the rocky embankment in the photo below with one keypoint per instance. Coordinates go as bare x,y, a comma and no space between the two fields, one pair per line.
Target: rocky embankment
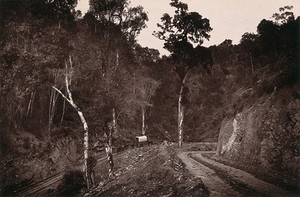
265,134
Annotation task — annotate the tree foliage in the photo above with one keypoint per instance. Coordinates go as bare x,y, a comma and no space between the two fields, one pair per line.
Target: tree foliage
131,20
180,32
183,29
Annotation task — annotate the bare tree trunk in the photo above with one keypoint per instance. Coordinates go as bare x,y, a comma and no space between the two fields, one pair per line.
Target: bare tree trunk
57,14
53,99
85,147
114,120
63,112
109,152
70,100
181,112
117,58
30,104
86,132
110,160
180,118
112,128
143,121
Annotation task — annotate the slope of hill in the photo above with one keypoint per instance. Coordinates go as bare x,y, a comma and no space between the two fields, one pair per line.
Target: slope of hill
147,171
265,134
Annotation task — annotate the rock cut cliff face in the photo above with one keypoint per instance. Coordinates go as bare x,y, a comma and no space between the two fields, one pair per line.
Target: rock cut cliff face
266,133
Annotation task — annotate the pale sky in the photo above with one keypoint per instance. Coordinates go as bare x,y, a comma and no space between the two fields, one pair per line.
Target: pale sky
230,19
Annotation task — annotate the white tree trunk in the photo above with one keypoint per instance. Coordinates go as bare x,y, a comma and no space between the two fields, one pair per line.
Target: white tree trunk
85,146
110,160
108,148
143,121
114,120
180,118
70,100
30,104
86,133
181,112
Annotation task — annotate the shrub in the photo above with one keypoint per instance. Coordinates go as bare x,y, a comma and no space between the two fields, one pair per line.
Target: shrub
73,182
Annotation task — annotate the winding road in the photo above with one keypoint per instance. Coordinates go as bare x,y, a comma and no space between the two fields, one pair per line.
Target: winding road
223,180
220,179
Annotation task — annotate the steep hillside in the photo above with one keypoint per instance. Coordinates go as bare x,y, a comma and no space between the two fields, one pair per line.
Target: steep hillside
35,160
265,134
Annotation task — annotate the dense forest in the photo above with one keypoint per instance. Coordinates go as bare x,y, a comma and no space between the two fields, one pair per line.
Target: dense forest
71,83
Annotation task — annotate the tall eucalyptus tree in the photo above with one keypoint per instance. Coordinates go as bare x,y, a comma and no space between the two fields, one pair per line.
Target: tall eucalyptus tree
180,33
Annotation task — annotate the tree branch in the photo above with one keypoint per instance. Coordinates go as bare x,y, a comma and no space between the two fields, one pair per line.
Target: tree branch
62,94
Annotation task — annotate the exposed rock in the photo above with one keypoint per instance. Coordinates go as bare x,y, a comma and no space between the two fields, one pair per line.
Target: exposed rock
265,133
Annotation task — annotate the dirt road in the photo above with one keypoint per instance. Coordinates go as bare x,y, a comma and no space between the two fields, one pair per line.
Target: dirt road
223,180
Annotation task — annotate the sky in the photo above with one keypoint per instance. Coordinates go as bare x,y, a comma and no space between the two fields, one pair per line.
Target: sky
230,19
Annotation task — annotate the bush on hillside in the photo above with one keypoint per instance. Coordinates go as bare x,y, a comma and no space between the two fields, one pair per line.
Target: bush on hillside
73,182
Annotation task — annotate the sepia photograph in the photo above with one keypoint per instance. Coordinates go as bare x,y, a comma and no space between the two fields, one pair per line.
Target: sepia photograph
141,98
